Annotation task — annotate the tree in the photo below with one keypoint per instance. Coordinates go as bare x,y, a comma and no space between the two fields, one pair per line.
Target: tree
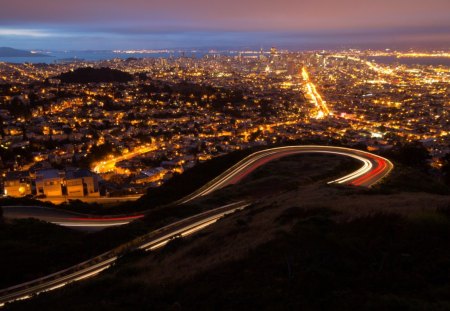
18,108
96,75
413,154
100,152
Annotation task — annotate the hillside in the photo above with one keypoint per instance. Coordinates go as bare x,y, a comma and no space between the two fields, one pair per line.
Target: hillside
63,247
10,52
301,245
95,75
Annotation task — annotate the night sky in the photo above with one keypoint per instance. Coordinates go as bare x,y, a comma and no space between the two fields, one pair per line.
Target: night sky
138,24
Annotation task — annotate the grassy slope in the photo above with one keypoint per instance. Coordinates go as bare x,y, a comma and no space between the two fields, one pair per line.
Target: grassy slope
31,249
307,247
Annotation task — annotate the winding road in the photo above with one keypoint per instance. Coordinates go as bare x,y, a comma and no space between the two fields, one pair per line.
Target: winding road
65,218
373,169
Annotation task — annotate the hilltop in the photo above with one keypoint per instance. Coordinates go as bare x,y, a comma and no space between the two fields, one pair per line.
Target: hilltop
301,245
95,75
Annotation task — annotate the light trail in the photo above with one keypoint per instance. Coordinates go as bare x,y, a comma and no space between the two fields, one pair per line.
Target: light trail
156,242
134,217
314,95
87,224
381,166
67,218
374,168
257,159
183,228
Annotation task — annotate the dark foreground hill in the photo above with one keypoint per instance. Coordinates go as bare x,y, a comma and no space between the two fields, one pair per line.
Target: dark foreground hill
305,246
95,75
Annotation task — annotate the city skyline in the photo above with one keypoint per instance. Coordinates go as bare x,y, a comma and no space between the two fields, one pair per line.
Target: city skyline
200,24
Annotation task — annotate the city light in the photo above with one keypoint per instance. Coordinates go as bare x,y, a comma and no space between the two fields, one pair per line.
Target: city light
155,128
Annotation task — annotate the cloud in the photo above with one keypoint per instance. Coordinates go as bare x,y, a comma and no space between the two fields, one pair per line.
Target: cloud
209,22
230,15
24,32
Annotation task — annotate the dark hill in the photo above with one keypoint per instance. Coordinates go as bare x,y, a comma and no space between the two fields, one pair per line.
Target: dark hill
304,246
10,52
95,75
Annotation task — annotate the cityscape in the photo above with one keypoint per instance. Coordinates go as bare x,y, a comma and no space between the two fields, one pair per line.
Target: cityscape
176,112
208,155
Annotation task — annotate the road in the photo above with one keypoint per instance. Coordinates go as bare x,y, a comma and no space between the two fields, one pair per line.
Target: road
99,200
110,164
66,218
314,95
373,169
94,266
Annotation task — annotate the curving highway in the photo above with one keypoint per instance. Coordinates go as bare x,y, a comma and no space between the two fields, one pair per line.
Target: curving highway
373,169
67,218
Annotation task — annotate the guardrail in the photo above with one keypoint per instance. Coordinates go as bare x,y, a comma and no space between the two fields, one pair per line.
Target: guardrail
99,263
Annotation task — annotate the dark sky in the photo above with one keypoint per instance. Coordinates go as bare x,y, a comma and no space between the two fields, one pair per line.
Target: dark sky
106,24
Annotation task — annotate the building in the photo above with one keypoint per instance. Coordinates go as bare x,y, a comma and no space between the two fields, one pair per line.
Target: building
49,182
17,184
52,183
82,183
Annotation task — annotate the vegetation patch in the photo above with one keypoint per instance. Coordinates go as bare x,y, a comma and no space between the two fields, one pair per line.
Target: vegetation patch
95,75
